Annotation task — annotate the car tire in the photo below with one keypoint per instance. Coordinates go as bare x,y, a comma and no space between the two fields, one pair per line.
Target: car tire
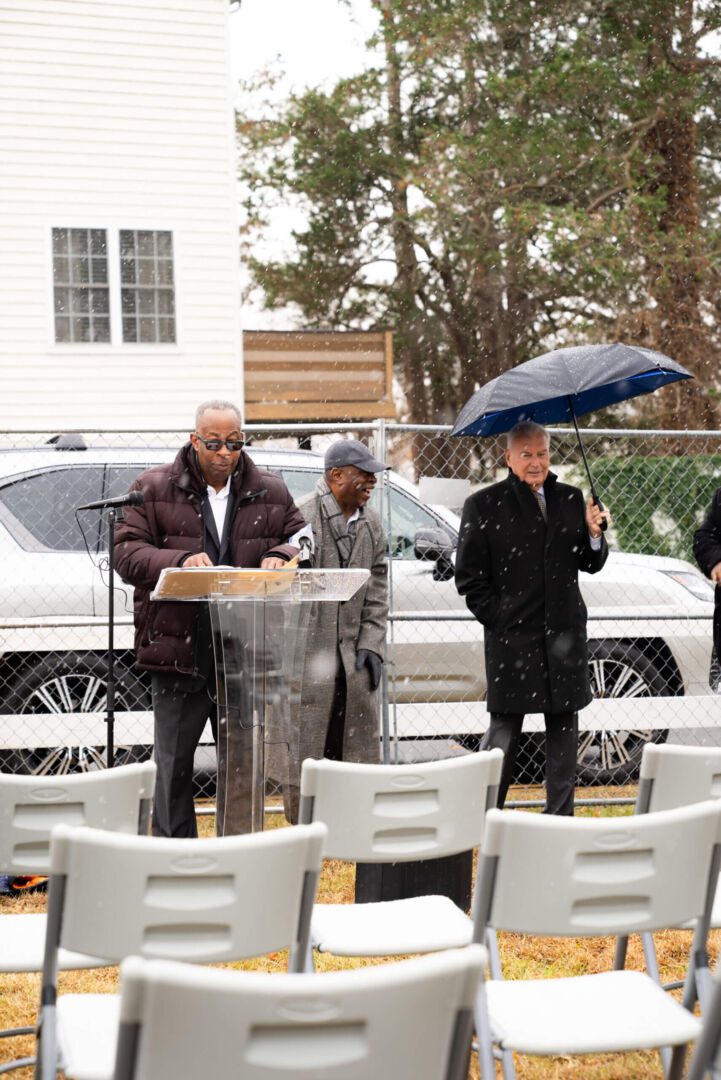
609,756
72,682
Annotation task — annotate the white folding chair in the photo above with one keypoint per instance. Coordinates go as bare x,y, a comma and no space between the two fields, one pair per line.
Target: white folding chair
706,1060
115,799
406,1021
397,813
204,901
566,877
673,776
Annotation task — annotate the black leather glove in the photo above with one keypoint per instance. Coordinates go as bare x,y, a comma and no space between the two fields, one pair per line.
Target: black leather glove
371,660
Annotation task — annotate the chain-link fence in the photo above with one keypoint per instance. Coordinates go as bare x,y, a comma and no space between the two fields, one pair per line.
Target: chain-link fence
649,611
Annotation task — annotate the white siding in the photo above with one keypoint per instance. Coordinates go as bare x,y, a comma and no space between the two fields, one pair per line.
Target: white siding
117,115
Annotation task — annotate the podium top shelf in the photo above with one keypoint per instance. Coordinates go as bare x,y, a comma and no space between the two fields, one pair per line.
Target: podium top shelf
216,583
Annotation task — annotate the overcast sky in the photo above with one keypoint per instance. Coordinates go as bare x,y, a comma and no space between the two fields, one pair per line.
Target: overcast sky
315,41
311,43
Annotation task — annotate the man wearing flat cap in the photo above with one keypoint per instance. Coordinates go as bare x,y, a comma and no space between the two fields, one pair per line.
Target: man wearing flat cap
337,712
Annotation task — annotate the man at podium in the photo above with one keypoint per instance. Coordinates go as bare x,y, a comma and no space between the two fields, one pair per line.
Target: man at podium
337,711
211,506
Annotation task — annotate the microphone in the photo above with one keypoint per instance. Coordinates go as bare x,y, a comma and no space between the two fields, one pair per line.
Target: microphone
305,555
132,498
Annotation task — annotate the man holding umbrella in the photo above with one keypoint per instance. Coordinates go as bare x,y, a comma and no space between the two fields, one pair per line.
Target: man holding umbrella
522,544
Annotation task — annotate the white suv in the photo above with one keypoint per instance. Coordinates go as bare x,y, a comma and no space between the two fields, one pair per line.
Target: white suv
649,629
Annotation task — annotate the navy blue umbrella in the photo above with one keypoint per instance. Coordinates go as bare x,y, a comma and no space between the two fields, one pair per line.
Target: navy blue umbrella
564,384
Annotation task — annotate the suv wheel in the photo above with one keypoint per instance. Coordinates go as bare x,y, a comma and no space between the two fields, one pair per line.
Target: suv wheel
72,683
609,756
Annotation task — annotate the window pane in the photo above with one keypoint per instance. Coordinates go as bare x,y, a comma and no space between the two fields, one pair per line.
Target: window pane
166,329
100,330
166,305
80,302
127,244
73,277
97,242
62,301
146,302
165,272
147,329
99,270
127,300
146,245
99,301
146,269
80,328
44,504
127,271
61,270
79,241
79,271
165,244
406,517
60,241
146,272
300,482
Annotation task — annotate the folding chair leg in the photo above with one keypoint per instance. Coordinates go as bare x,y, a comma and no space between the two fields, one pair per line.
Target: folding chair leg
10,1033
649,953
483,1034
46,1064
494,968
619,959
309,960
675,1067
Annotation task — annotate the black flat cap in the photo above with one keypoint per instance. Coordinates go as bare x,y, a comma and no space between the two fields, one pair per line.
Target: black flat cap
349,452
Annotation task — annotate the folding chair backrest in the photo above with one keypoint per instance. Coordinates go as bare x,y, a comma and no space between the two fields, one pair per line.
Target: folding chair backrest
678,776
578,877
398,813
391,1022
196,900
31,805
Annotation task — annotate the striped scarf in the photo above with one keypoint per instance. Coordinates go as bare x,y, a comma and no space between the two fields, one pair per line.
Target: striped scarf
335,518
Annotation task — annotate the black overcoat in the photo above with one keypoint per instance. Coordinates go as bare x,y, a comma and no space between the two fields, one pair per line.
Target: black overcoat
519,576
707,551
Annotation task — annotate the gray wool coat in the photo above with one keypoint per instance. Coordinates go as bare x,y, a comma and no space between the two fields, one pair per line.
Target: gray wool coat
334,635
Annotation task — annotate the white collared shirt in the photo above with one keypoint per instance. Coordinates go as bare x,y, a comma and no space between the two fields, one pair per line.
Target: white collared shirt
219,505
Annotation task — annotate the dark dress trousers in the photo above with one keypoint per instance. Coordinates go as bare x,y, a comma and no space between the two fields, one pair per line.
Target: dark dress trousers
707,552
519,576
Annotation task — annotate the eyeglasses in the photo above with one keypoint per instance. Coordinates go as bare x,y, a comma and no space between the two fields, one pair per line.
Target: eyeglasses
234,445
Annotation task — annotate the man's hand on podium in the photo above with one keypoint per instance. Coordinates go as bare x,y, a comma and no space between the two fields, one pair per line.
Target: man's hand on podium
273,563
371,660
201,559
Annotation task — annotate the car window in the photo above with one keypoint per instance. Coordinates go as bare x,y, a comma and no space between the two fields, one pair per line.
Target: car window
39,510
300,482
118,479
406,517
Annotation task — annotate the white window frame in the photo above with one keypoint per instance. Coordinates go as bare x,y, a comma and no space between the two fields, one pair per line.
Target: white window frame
112,233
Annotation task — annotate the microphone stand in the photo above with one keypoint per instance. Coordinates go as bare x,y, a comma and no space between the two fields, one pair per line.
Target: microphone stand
110,686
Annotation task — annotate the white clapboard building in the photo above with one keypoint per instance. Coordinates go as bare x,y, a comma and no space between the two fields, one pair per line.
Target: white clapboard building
119,288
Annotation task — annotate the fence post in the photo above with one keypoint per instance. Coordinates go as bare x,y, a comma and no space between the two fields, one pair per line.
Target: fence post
385,502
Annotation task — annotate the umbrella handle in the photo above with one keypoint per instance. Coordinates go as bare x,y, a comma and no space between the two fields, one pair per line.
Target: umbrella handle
597,502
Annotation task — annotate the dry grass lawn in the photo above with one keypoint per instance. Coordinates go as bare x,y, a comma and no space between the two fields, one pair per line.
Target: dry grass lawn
522,957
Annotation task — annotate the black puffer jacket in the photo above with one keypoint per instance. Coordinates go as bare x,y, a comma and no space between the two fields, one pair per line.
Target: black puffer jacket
169,526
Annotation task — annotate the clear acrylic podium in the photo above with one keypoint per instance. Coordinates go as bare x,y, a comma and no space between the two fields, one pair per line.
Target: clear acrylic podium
258,620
